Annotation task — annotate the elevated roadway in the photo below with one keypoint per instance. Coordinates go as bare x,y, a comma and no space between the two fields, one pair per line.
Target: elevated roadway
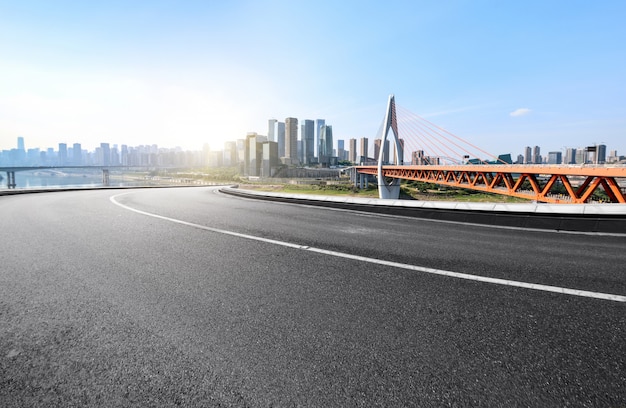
162,297
534,182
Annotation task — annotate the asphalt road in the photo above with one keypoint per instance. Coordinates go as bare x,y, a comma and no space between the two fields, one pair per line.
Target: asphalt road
188,297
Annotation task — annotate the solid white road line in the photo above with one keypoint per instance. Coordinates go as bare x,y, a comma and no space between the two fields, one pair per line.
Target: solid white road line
497,281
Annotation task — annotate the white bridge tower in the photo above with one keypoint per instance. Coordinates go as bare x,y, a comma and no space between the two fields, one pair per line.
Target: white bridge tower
390,189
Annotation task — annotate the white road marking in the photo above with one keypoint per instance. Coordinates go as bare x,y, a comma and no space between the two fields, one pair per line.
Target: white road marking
458,275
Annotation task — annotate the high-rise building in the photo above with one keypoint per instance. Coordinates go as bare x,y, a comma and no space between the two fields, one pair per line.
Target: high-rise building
570,156
270,159
241,154
537,155
363,150
104,158
528,155
581,155
341,151
62,157
398,157
271,130
377,143
206,154
280,133
301,147
554,157
115,156
326,145
601,154
417,158
291,139
230,154
254,154
126,157
77,154
385,151
352,151
308,139
20,154
318,126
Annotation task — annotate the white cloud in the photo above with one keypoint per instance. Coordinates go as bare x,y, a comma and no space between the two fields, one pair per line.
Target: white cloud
520,112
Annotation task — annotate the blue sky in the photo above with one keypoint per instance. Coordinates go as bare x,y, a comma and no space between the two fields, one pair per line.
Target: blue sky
499,74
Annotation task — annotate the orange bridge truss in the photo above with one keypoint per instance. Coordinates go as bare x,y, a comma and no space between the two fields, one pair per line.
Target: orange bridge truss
534,182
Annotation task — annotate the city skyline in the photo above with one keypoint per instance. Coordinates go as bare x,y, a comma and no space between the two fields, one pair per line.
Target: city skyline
366,147
190,73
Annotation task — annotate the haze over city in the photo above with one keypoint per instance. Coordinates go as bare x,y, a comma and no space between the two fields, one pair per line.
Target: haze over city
501,75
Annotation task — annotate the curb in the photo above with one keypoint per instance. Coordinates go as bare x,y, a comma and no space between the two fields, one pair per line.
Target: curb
584,218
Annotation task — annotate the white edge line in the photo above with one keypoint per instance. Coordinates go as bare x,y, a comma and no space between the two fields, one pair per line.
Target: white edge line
458,275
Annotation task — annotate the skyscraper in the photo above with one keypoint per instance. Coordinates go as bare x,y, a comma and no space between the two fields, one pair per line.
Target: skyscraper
570,155
341,151
254,154
319,123
230,153
418,158
528,158
280,130
126,158
601,154
62,160
554,157
398,157
353,152
377,143
537,155
581,155
241,154
271,130
105,154
364,142
301,147
326,144
308,139
77,154
291,139
20,156
270,159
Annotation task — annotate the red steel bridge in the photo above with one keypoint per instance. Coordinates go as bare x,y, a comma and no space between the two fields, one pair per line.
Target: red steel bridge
534,182
558,184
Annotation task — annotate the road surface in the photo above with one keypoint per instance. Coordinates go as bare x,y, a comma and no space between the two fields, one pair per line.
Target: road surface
189,297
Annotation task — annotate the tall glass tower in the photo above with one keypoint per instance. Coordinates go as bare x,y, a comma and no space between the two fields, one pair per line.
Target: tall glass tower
326,144
280,131
319,124
271,130
308,136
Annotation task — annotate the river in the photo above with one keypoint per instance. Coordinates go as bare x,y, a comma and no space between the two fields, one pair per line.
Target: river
62,179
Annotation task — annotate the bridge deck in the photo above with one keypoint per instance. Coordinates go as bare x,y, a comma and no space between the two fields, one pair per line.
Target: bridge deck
534,182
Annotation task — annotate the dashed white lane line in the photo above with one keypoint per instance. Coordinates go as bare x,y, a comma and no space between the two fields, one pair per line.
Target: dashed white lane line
458,275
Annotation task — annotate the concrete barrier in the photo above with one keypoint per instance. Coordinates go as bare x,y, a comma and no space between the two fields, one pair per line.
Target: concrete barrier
587,218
